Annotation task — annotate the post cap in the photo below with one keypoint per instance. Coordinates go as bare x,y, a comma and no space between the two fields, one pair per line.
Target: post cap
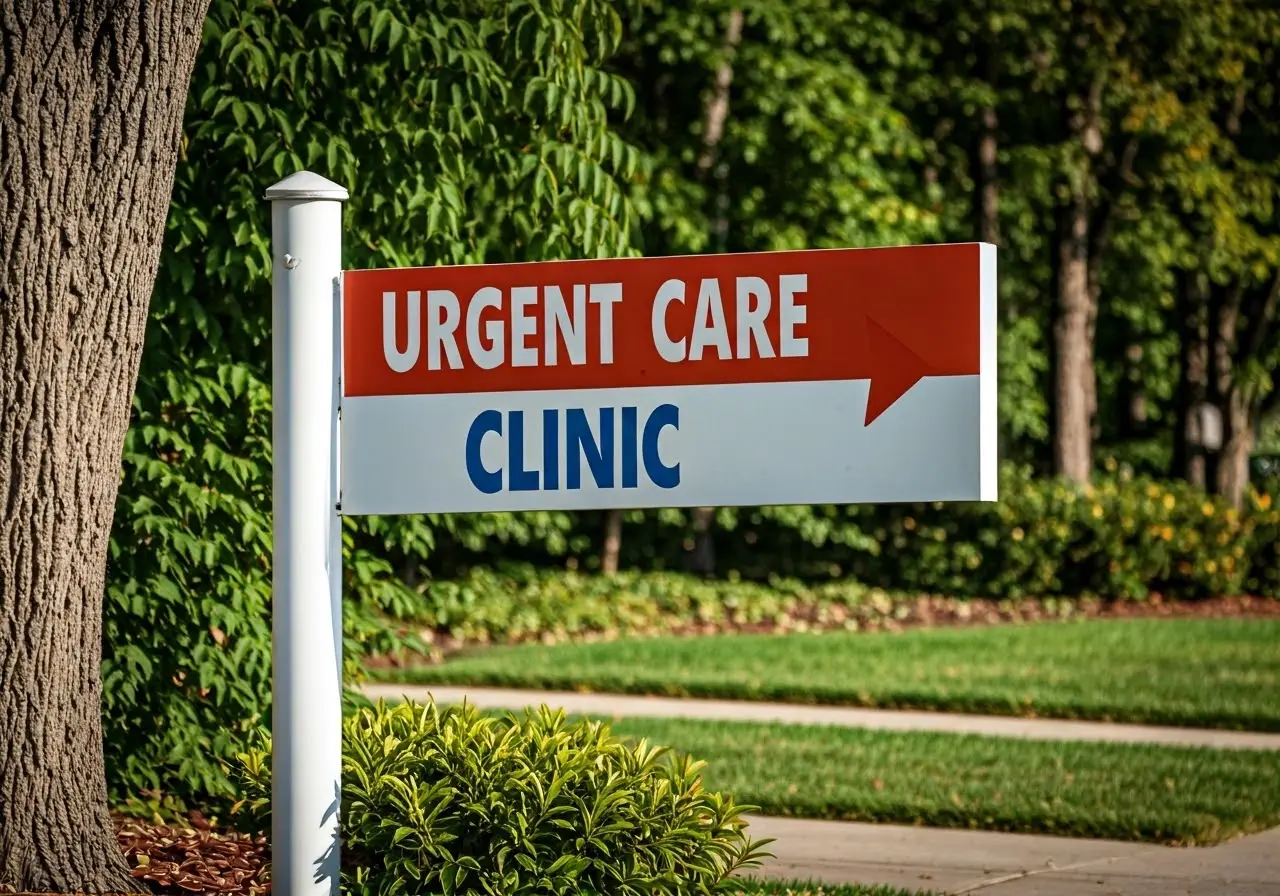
306,185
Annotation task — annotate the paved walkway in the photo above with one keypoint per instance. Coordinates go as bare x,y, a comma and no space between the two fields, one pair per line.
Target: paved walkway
958,862
614,706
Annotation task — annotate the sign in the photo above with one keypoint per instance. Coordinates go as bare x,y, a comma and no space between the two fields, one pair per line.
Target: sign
834,376
820,376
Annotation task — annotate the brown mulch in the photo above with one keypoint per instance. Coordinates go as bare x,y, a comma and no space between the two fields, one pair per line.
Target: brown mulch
894,614
194,858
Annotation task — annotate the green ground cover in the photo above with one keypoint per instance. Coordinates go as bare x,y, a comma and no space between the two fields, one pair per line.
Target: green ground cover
1116,791
1222,673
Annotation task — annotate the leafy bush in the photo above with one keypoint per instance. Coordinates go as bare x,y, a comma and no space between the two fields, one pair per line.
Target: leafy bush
1263,514
451,801
467,130
1123,537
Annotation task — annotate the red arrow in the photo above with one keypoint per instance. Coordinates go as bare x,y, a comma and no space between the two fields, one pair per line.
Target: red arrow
892,316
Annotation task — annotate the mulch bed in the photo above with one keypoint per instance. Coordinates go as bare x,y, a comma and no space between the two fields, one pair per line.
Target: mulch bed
194,858
896,614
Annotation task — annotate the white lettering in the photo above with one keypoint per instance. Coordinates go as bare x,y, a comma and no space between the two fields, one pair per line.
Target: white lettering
792,315
401,361
709,327
751,319
557,321
443,313
606,295
490,356
523,325
670,350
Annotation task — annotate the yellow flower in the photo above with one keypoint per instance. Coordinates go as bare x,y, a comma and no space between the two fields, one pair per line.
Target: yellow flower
1207,508
1167,533
1017,533
1264,502
1097,510
1169,502
1211,567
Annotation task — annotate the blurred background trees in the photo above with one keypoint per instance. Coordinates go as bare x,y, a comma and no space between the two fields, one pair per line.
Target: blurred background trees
1123,154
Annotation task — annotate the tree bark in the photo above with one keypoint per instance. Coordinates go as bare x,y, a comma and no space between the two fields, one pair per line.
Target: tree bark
989,178
702,560
1072,437
1193,350
1239,421
612,542
1076,386
1241,408
93,96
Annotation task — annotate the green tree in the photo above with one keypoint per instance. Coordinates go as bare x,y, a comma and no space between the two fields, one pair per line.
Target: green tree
466,131
765,131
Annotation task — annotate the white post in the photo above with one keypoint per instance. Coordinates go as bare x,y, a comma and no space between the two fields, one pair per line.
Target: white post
306,629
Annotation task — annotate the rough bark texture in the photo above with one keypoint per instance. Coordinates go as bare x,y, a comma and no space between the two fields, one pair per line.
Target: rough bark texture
1079,289
703,558
93,96
1072,438
612,542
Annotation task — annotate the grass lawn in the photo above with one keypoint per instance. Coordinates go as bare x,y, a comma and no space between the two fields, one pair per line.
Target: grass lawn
1222,673
1116,791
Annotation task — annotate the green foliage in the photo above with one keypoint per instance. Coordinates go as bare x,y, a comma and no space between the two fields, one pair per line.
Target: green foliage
1124,537
516,603
504,130
450,801
467,130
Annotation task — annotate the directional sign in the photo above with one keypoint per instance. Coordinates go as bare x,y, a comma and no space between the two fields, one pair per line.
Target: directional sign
821,376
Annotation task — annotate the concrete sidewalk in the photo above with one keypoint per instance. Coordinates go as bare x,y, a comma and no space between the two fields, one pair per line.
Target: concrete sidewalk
955,862
616,706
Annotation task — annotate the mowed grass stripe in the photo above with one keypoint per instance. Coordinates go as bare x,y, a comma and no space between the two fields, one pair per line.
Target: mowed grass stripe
1174,795
1219,673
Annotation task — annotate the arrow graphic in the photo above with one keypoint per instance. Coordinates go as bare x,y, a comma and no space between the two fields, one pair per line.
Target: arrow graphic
892,316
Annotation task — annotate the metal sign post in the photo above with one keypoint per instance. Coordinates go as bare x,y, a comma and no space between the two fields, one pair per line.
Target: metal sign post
306,629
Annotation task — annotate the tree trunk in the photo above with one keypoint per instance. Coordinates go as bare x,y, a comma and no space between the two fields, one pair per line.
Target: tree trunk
612,542
1241,332
1193,350
988,179
93,100
702,559
1072,437
1237,446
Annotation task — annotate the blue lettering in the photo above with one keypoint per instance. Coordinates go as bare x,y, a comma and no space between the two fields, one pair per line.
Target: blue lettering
660,474
630,472
486,481
581,445
550,449
522,480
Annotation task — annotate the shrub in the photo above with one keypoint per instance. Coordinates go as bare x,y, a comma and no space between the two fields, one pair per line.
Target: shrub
452,801
467,131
